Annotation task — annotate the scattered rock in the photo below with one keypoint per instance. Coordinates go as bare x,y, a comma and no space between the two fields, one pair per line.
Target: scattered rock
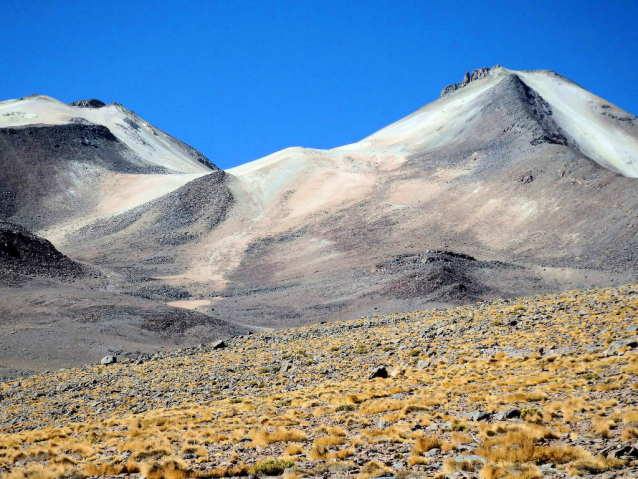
379,372
509,413
616,346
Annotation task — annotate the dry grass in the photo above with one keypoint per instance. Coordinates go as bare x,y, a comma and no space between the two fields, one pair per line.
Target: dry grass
426,443
329,441
603,426
630,416
321,423
264,437
373,469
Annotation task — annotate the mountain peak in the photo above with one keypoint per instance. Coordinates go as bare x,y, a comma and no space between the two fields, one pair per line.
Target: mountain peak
477,74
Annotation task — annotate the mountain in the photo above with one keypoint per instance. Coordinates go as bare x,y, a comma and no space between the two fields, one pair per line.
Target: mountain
63,166
23,253
490,191
512,183
62,162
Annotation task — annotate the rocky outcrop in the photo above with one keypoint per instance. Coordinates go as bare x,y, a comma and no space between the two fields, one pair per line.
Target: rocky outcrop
477,74
90,103
24,254
480,73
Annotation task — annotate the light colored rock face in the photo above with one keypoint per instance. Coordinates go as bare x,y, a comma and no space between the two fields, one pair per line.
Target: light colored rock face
600,130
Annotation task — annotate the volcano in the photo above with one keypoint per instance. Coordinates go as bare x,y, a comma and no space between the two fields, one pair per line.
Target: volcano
512,183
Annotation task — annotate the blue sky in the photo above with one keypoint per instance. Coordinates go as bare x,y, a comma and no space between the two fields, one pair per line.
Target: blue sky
239,80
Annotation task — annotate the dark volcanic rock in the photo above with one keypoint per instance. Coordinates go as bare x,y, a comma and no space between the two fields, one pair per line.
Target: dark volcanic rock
46,170
438,275
79,141
480,73
90,103
174,219
24,254
477,74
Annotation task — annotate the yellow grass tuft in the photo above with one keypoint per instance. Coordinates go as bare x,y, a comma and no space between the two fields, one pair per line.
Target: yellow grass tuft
264,437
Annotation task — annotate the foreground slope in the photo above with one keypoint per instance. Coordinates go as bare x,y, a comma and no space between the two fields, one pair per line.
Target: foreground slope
531,387
513,183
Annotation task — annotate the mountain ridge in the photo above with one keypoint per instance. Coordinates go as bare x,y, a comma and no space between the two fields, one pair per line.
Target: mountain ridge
520,170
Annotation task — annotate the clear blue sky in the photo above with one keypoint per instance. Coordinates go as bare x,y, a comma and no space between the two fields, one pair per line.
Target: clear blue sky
239,80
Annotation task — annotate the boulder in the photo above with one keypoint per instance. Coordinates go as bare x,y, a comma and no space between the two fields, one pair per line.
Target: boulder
619,451
109,360
423,363
218,345
616,346
477,416
509,413
379,372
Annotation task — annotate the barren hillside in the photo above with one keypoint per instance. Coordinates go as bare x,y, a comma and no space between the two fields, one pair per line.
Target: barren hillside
512,183
493,170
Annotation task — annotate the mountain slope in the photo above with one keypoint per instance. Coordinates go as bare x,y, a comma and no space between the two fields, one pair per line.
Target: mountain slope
491,170
56,312
602,131
70,164
149,143
512,183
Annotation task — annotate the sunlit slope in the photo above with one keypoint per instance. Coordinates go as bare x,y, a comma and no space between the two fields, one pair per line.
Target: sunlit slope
523,388
150,143
602,131
66,165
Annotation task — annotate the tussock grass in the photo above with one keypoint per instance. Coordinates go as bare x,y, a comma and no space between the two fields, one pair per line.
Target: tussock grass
271,467
322,423
264,437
